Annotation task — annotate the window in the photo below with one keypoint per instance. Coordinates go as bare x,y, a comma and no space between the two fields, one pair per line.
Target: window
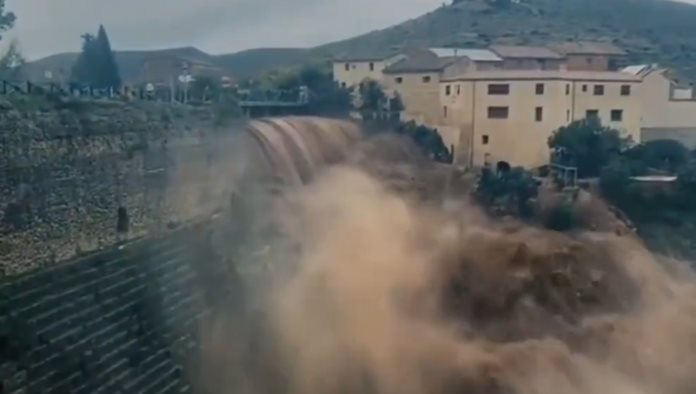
567,115
497,112
448,90
599,90
616,115
567,89
539,89
584,88
372,67
459,89
498,89
426,79
399,80
347,66
484,139
592,113
625,90
444,111
539,114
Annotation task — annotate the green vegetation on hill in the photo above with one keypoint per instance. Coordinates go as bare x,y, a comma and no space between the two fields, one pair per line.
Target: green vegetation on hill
255,62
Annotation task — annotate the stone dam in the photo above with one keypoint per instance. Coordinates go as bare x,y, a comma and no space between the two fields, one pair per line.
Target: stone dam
118,232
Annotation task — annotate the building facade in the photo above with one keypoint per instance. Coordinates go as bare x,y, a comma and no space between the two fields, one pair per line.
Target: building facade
529,58
416,77
508,116
669,109
502,104
591,56
351,72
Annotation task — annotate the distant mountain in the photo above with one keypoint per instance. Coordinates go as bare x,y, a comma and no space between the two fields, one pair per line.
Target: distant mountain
649,30
655,31
135,66
255,62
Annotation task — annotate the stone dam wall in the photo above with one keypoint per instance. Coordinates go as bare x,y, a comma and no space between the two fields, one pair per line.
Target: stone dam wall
125,320
79,180
107,263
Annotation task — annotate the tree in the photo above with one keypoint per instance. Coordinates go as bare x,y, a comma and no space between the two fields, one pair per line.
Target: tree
686,179
396,106
614,181
11,63
7,19
325,95
587,145
508,192
429,140
372,96
96,64
666,155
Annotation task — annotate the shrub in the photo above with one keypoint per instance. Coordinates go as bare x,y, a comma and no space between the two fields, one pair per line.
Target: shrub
587,145
510,192
615,180
665,155
429,140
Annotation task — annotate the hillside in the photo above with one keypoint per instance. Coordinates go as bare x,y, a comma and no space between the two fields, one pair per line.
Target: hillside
132,64
254,62
650,30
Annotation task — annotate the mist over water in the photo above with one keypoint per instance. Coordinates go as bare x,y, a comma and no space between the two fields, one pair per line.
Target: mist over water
376,293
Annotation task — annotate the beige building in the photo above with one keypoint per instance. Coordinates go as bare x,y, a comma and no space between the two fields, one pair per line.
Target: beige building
669,108
416,77
591,56
508,116
529,58
351,71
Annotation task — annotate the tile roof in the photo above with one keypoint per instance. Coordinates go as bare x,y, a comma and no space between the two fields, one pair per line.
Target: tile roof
364,56
525,52
420,61
477,55
588,48
501,75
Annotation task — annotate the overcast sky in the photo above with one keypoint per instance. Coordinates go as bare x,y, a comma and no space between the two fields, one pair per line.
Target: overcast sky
45,27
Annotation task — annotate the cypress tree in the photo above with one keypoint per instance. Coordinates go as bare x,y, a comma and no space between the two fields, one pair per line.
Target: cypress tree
96,65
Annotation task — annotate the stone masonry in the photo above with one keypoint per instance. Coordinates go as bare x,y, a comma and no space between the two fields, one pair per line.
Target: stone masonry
124,320
81,179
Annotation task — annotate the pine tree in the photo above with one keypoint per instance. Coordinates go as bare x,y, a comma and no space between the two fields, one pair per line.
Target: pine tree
96,65
83,70
108,69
